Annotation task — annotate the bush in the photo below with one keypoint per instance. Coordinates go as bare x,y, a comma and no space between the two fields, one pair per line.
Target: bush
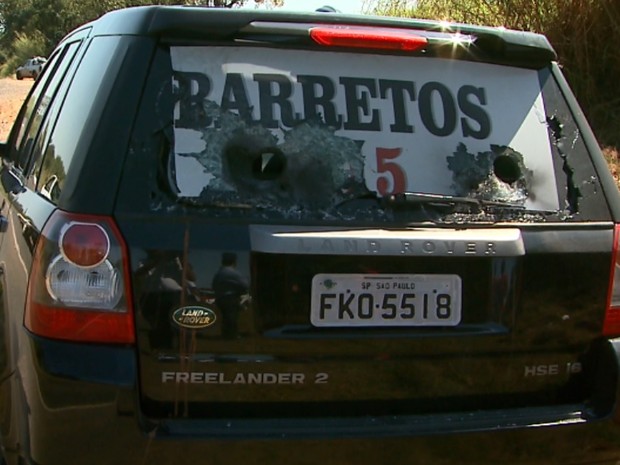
24,47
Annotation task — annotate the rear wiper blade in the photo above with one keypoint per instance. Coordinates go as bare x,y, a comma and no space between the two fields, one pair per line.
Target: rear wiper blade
436,202
445,202
215,204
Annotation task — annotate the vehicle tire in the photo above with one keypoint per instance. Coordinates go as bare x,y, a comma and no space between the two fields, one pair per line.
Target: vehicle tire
35,75
19,76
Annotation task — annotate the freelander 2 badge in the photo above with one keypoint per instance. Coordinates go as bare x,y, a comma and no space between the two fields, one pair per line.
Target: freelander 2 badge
193,317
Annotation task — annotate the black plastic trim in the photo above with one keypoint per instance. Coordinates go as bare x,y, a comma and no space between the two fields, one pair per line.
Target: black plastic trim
375,426
568,241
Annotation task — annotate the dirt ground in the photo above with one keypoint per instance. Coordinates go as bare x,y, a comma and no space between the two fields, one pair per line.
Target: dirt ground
12,95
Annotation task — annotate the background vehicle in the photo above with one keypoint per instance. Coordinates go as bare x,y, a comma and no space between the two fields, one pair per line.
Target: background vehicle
426,226
31,68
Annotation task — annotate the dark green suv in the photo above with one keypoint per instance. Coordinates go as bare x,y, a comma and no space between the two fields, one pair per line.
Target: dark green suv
274,238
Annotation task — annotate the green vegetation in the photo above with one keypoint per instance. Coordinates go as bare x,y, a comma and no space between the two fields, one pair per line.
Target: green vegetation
33,27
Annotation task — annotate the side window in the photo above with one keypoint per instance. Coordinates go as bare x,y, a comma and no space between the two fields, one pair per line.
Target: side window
22,123
30,148
61,135
48,110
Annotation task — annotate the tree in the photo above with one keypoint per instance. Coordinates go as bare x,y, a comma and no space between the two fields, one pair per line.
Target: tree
34,27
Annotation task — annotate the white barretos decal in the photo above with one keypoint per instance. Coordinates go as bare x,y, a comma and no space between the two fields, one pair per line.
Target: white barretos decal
418,124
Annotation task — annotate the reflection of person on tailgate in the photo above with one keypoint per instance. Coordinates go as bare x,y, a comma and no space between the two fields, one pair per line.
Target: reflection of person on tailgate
229,286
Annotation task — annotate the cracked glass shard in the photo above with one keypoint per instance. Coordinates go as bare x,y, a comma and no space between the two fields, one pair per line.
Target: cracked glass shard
573,192
307,166
498,174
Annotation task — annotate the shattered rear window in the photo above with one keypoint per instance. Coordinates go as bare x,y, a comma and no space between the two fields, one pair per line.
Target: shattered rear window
291,131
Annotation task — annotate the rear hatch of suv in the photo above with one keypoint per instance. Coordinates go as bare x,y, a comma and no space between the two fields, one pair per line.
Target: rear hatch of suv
329,219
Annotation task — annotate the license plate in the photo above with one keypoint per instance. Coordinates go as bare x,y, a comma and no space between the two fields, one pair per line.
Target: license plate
345,300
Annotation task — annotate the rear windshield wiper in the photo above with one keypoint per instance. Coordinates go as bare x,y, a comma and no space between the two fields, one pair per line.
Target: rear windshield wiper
436,202
449,203
214,204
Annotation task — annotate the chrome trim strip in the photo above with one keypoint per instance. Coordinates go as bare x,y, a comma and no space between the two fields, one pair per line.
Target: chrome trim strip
505,242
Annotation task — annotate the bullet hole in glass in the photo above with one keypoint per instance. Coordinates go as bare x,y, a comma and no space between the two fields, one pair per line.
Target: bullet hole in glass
269,164
507,169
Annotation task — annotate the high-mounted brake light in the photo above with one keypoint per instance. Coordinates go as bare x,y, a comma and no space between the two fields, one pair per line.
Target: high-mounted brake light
611,324
368,37
79,287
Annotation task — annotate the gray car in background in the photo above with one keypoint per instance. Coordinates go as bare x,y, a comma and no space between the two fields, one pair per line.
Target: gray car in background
31,68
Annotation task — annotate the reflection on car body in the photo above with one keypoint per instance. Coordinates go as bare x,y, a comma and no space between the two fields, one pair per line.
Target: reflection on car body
50,189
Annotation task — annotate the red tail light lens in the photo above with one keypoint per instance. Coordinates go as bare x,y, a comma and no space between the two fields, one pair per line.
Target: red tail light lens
611,325
368,37
84,244
79,285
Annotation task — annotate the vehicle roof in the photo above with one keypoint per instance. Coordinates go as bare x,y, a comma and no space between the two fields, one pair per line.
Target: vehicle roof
185,22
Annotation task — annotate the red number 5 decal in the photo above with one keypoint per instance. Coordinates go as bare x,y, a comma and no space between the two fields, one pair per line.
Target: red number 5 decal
392,172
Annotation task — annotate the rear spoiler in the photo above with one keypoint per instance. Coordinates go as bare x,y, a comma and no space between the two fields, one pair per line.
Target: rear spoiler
487,44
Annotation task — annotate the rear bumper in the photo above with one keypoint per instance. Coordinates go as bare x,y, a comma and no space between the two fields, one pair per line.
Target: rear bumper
97,437
79,415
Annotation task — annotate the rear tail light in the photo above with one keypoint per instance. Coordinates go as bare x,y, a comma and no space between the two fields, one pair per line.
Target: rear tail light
611,325
84,244
79,285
